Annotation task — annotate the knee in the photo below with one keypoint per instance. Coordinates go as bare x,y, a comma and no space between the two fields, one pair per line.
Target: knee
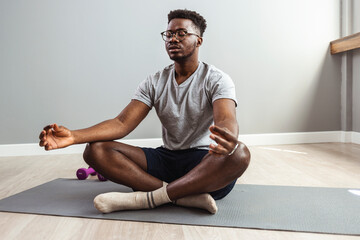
241,158
93,152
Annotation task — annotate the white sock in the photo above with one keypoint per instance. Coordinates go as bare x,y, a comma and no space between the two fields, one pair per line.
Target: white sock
117,201
203,201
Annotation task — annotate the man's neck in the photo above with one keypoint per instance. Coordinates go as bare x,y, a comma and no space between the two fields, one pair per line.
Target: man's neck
185,69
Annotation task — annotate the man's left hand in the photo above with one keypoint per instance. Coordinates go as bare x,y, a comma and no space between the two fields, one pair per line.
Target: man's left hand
226,140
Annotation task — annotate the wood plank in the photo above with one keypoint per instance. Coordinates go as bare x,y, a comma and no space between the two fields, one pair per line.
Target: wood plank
345,44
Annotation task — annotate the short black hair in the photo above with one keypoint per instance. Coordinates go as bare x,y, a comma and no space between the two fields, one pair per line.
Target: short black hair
197,19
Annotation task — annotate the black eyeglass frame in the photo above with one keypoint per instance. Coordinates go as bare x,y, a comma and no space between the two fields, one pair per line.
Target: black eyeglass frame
176,35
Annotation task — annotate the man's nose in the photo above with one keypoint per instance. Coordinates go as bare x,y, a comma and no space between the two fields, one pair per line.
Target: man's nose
173,38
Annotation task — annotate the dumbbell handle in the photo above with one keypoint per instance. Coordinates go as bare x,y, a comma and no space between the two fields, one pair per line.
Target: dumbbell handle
83,173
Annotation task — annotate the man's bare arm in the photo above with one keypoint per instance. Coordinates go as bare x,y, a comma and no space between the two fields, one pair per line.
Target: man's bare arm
115,128
53,136
226,130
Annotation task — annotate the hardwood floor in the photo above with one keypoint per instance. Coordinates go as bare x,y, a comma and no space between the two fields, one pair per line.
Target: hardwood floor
324,165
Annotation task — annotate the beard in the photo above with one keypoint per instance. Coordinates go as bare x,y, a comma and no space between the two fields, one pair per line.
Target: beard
188,54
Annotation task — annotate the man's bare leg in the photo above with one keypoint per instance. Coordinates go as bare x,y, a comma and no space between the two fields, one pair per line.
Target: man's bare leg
197,181
125,164
121,163
212,173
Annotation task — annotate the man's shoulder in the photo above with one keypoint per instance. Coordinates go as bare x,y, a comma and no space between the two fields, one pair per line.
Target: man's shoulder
216,70
165,71
213,72
169,67
160,76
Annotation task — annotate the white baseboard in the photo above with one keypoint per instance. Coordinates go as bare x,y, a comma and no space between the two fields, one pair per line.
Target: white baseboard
32,149
355,138
291,138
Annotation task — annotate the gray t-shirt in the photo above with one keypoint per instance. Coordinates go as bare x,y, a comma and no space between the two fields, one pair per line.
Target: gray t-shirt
185,110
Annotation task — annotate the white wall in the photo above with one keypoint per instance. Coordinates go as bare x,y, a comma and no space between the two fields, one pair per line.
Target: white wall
77,62
278,53
356,70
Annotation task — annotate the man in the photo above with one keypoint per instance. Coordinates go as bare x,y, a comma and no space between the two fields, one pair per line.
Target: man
201,157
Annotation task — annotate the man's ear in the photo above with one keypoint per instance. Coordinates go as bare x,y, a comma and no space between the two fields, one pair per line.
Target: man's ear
199,41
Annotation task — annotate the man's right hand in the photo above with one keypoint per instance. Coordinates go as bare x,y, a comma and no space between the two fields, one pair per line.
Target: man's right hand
54,136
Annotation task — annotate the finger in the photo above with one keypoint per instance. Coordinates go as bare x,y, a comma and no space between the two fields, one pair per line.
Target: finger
221,141
42,143
214,153
56,127
42,134
48,130
223,132
48,127
218,149
219,131
48,147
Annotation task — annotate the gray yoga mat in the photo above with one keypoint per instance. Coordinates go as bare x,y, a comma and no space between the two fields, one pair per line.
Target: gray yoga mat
305,209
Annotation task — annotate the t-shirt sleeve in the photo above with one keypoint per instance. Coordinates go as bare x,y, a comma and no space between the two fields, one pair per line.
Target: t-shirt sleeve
144,92
223,87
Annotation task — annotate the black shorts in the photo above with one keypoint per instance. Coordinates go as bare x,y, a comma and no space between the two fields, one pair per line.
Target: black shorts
168,165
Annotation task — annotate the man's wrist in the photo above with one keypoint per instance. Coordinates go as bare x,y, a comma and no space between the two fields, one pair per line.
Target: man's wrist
74,137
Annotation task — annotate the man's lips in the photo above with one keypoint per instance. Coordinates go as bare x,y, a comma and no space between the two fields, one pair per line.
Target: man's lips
173,48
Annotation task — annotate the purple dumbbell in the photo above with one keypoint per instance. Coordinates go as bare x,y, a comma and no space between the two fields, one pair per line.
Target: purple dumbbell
83,173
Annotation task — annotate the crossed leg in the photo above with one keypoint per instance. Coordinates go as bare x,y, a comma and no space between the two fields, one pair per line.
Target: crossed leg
125,164
121,163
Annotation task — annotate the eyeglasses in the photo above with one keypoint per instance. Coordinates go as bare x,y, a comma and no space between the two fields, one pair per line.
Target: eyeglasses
179,35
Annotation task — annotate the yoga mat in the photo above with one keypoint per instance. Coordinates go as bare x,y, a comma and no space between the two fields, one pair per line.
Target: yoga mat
305,209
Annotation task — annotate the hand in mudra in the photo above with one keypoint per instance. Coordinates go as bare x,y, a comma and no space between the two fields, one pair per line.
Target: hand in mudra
54,136
226,141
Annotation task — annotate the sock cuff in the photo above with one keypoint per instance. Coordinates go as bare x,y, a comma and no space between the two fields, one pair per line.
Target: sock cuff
158,197
165,184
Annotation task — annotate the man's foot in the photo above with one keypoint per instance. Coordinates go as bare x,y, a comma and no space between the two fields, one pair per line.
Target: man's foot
203,201
117,201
